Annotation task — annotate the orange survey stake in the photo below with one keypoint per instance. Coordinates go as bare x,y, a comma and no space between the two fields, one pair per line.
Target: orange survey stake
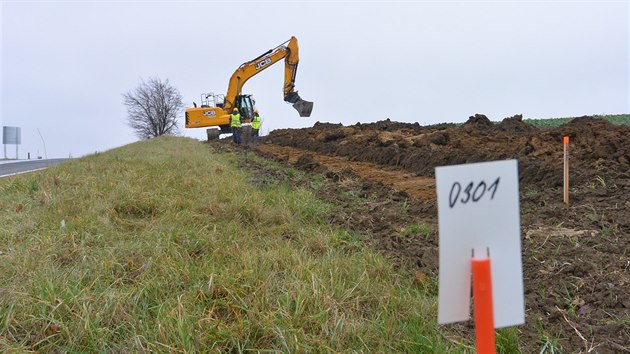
565,183
482,297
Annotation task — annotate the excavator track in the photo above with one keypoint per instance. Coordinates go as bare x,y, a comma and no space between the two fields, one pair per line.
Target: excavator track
213,133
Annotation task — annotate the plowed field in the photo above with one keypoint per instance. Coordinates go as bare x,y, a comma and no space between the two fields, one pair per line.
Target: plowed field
576,257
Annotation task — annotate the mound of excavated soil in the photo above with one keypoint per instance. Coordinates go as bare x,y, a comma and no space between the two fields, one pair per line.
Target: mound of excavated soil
597,147
576,258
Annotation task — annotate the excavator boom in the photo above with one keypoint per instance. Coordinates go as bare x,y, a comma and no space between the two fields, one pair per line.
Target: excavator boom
287,50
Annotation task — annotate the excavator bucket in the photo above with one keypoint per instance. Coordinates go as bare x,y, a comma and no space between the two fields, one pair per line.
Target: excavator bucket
303,107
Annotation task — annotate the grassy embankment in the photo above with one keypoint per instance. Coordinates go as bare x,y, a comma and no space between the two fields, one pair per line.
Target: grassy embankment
166,246
618,119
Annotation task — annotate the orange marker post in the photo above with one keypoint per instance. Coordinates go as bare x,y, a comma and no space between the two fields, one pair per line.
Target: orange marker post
566,170
484,315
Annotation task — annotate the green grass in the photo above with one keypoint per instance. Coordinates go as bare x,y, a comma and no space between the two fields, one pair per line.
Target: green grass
618,119
422,229
531,191
507,340
548,343
166,246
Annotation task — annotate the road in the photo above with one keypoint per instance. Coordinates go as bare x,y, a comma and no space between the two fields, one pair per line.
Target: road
11,168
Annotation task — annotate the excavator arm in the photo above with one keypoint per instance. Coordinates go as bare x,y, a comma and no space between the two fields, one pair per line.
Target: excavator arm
287,51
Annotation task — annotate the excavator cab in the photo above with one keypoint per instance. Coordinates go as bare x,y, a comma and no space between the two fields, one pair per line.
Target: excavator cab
245,105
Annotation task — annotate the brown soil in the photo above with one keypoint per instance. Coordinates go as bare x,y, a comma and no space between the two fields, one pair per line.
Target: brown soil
576,257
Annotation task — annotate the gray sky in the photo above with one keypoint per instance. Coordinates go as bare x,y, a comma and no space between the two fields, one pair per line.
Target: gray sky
65,65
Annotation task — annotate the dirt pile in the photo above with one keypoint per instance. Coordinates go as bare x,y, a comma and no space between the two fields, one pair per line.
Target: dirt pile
598,148
576,257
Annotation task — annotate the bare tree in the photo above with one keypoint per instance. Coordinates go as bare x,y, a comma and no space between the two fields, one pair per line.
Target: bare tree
152,108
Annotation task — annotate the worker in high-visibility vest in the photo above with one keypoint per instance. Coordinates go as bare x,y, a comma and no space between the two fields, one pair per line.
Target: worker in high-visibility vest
235,123
255,126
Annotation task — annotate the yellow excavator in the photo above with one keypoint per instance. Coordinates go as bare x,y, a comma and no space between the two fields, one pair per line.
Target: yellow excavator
215,109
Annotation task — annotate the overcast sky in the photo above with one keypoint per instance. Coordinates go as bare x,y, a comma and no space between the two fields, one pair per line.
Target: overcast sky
65,65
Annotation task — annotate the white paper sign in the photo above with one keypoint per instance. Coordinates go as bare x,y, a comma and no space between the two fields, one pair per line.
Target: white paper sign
478,208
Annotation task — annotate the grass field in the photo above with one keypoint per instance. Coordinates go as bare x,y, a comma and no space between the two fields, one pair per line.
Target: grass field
618,119
165,245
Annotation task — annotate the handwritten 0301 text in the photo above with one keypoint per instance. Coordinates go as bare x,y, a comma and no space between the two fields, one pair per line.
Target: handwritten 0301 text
472,193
